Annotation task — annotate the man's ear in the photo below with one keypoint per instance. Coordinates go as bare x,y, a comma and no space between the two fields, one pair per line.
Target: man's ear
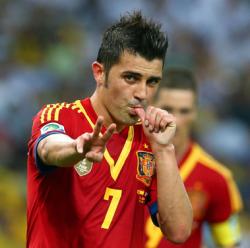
99,73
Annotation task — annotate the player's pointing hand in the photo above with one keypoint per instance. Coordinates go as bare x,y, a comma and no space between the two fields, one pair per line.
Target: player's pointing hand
92,145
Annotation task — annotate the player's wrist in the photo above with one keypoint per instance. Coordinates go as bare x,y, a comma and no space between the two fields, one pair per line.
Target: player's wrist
169,148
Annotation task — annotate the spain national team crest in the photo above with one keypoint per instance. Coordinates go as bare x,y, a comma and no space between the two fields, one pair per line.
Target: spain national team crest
83,167
145,167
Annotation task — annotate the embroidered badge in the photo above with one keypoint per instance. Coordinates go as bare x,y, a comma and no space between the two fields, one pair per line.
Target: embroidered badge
145,167
52,126
84,167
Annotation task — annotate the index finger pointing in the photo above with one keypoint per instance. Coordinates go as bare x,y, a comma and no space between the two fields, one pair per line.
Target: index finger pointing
98,127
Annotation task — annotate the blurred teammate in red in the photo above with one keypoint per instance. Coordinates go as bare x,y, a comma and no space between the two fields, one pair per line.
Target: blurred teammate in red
210,185
92,167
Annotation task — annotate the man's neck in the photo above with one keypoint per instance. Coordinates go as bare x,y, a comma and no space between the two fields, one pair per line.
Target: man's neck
102,111
181,148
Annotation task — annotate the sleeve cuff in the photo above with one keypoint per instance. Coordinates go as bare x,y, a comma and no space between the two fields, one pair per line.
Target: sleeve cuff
43,168
153,209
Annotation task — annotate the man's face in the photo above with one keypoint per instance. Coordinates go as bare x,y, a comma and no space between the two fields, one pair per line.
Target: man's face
130,84
182,104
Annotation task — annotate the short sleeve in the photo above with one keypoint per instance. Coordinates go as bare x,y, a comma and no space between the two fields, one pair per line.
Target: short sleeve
52,119
225,199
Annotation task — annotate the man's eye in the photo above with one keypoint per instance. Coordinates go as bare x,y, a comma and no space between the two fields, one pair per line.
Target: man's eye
130,78
153,82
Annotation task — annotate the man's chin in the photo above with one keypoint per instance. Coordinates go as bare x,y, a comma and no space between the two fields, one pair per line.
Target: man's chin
132,119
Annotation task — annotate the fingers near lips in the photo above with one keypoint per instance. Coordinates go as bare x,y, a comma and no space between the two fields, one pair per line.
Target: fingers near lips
151,113
154,117
141,113
158,119
168,120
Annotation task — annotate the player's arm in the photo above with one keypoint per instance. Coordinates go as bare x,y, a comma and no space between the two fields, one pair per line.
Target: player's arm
174,209
175,213
63,151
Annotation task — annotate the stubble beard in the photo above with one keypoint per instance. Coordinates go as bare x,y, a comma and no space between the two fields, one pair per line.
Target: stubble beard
128,119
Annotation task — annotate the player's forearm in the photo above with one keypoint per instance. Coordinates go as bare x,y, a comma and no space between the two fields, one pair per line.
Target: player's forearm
175,211
58,150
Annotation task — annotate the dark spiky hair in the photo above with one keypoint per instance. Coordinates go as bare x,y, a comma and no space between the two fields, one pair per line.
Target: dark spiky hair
135,34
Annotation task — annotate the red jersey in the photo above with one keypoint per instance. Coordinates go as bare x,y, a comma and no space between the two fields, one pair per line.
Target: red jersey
88,205
212,192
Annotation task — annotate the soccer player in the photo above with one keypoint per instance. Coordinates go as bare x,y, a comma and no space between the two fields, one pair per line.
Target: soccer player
92,166
214,196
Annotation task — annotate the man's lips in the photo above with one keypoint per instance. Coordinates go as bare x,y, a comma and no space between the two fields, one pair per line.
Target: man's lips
134,109
137,106
138,110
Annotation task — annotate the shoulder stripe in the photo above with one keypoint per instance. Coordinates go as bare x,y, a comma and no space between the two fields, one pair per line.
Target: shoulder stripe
208,161
50,111
42,118
74,107
58,109
190,163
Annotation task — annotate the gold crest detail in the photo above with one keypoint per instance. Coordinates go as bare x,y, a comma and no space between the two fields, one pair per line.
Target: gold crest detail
83,167
145,167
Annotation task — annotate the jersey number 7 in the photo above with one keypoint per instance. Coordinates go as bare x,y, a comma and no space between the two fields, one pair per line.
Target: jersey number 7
116,196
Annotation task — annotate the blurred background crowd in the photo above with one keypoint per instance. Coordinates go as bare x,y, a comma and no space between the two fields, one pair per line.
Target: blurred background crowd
46,50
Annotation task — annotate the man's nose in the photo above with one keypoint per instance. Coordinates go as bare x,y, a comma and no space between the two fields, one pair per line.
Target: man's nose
141,91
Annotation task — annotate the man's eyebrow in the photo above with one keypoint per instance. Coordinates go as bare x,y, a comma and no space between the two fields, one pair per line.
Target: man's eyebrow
155,78
136,74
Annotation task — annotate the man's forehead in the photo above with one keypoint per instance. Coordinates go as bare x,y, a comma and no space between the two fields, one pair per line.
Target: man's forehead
137,63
